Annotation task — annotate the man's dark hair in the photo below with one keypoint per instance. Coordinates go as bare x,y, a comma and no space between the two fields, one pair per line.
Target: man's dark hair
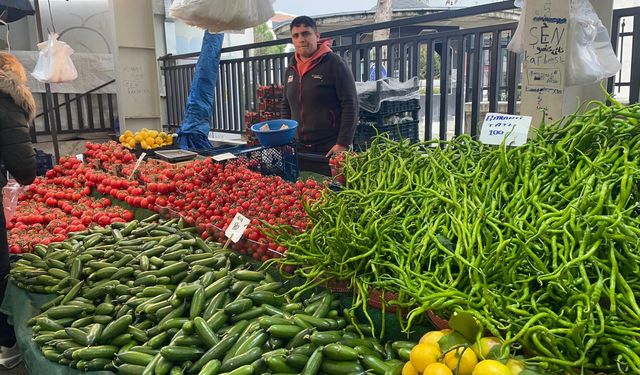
303,21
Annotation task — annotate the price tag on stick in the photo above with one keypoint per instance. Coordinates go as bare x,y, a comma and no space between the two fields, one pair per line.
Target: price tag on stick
144,155
222,157
496,127
236,228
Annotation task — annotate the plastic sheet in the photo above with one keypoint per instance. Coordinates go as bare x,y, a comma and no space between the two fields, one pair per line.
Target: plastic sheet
21,306
222,15
372,93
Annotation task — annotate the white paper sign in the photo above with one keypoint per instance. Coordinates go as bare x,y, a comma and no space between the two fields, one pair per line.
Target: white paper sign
237,227
497,126
80,157
222,157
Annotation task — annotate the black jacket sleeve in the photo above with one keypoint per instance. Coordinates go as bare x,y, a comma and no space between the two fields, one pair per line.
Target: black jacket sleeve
18,155
348,97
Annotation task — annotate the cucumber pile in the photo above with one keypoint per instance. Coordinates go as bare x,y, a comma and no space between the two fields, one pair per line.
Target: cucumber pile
154,298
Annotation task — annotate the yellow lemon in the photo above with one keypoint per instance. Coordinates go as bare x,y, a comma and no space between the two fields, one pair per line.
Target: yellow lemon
491,367
144,145
515,366
122,138
150,141
437,369
138,138
128,133
432,338
461,359
159,140
408,369
483,346
153,133
131,143
169,140
423,355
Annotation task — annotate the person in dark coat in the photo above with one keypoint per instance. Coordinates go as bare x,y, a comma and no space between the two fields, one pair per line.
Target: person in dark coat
319,93
17,110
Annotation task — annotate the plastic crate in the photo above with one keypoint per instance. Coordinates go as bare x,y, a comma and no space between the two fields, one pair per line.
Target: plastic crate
270,161
404,130
388,108
44,162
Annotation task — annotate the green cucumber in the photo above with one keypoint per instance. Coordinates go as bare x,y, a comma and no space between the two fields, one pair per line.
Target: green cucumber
180,353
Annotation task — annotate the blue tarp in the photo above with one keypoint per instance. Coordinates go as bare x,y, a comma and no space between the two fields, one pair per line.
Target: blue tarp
194,131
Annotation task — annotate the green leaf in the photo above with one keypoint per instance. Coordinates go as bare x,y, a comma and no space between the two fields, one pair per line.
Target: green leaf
466,325
532,371
451,340
494,352
445,242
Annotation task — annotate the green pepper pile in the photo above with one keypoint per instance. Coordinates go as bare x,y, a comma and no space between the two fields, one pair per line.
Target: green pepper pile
154,298
538,242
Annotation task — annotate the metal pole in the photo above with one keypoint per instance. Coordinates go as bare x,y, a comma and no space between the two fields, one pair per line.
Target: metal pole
47,89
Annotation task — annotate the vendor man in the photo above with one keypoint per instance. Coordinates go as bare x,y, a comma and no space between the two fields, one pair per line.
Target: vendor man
319,93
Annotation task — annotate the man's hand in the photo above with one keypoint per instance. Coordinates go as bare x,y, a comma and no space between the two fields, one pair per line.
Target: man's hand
336,149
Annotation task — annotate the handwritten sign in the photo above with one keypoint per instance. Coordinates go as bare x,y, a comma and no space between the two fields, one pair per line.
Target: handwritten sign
237,227
497,127
80,157
223,157
545,58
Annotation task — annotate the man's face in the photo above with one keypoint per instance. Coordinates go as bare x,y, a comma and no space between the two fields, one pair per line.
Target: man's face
305,40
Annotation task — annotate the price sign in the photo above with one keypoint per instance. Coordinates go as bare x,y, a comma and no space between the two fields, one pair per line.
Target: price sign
237,227
80,157
223,157
497,127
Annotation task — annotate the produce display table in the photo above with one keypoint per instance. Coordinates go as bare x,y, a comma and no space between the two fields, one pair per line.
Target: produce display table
21,306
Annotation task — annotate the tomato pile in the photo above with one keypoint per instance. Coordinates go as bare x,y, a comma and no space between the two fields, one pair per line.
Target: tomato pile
203,192
57,204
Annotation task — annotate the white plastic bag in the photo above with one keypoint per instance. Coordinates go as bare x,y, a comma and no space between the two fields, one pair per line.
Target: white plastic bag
222,15
516,44
10,194
590,56
54,62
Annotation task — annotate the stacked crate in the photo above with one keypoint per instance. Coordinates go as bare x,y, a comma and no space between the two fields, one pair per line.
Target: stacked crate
269,105
399,119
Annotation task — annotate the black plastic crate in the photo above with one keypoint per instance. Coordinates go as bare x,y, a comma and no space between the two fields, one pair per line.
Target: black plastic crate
44,162
268,160
404,130
388,108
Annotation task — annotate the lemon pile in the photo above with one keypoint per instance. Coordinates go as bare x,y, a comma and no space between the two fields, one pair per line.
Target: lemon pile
147,139
427,358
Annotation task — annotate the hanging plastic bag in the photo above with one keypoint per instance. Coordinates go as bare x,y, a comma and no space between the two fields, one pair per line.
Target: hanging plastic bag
222,15
516,44
10,194
590,54
54,63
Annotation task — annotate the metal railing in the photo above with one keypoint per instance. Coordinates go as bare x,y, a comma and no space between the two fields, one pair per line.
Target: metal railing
477,74
77,113
626,84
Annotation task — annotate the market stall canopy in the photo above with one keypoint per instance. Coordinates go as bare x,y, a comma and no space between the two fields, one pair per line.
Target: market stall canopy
194,131
13,10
